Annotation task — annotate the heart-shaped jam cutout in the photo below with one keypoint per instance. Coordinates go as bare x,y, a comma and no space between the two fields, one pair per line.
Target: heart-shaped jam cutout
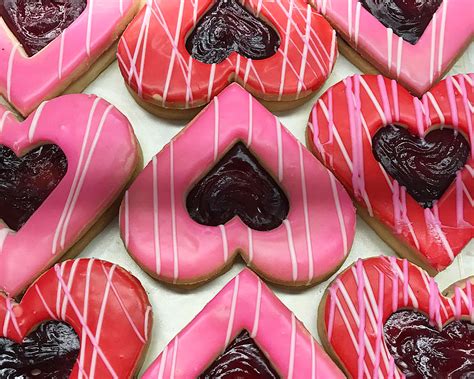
35,23
427,166
238,185
242,359
407,18
48,352
421,351
228,27
26,182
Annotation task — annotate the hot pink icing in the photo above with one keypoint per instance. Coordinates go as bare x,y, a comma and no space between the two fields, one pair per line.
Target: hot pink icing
417,66
106,306
161,236
244,303
102,154
373,285
26,81
156,65
353,111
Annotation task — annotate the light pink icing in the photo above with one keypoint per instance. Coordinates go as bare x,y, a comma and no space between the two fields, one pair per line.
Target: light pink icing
26,81
417,66
161,236
244,303
102,154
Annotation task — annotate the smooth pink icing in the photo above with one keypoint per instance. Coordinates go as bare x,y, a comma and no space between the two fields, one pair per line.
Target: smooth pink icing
102,154
161,236
244,303
418,66
156,65
380,286
26,81
341,127
107,307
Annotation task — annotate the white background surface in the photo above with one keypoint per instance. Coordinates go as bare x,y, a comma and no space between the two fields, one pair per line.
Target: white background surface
172,308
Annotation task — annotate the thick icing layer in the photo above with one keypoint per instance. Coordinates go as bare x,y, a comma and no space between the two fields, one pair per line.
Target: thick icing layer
102,155
158,36
341,128
26,81
361,300
107,307
161,236
245,303
418,66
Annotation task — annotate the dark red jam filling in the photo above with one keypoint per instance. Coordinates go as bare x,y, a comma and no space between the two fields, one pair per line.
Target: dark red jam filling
421,351
238,185
425,167
49,352
229,27
242,359
26,182
35,23
407,18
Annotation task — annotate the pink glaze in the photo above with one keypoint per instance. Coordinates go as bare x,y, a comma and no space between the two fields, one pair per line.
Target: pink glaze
437,234
156,65
417,66
102,154
107,307
161,236
374,285
25,82
244,303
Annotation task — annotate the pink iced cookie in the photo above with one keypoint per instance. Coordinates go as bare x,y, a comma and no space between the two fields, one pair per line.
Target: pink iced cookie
244,304
306,244
85,30
102,155
416,44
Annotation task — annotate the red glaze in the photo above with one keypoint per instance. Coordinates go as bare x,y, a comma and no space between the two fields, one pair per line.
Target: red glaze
361,300
341,129
107,307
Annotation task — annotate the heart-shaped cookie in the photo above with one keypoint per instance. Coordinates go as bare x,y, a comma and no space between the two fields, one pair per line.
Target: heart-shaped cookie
366,123
309,244
281,51
247,317
102,156
51,47
378,305
106,307
415,42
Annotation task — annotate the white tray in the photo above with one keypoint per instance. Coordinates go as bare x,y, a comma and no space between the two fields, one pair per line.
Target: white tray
174,309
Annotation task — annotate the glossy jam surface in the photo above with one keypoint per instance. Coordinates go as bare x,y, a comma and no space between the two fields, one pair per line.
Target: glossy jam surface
49,352
425,167
421,351
26,182
229,27
238,185
35,23
242,359
407,18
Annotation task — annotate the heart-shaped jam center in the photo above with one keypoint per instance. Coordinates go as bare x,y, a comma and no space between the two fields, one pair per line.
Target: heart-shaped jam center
35,23
49,352
407,18
26,182
426,167
242,359
238,185
421,351
229,27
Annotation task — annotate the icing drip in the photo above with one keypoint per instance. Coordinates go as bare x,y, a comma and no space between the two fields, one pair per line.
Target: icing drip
49,352
228,27
242,359
238,185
